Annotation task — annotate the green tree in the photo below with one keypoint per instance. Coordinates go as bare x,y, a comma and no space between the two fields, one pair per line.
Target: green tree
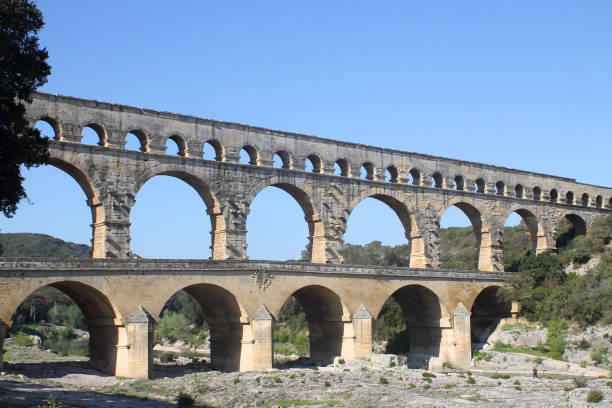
23,68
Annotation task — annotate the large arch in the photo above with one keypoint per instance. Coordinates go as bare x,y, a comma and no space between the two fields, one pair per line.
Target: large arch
302,193
100,314
487,311
484,255
325,314
213,207
569,226
225,317
418,257
535,228
421,313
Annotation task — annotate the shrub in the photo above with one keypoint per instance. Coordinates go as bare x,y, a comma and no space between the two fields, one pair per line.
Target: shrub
504,376
600,353
236,380
173,326
471,380
594,396
450,385
581,256
341,361
23,340
428,375
426,386
446,364
327,384
517,387
580,382
583,344
277,379
184,400
383,381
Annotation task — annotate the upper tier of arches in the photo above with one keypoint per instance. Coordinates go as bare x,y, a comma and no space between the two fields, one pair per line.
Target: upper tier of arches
302,153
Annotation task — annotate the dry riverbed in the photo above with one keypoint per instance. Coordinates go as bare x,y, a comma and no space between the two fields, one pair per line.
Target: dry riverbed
344,384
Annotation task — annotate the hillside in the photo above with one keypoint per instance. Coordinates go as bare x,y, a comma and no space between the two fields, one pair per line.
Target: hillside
41,245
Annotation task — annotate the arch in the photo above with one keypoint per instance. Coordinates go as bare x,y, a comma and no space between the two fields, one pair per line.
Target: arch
142,139
343,167
55,126
535,228
500,188
225,317
98,130
392,175
252,154
180,144
98,227
213,206
487,311
315,163
301,194
421,313
459,183
217,147
537,193
285,158
479,186
481,232
326,315
367,171
100,316
553,195
610,203
415,174
436,180
599,201
569,197
585,200
518,191
565,233
418,257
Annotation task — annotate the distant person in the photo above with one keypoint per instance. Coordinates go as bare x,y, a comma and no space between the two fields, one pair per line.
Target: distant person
535,372
427,365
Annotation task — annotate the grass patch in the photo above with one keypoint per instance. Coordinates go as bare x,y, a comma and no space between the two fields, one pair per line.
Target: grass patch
594,396
503,376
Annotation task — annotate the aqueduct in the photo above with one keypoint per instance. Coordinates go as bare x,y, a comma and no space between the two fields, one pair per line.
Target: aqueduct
121,297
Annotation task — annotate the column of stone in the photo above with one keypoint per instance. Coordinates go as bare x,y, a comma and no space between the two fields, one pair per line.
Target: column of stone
140,327
363,328
547,235
71,132
425,244
262,328
116,228
115,137
195,149
235,231
217,233
462,337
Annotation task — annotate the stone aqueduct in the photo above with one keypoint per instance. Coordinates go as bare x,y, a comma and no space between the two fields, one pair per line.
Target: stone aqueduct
122,296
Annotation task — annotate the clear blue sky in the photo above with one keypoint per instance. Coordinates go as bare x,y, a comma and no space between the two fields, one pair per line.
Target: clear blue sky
520,84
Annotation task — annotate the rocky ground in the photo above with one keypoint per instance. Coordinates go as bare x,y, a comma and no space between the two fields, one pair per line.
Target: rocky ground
381,382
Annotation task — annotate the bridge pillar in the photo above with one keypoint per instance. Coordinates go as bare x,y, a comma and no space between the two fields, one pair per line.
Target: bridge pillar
460,354
363,324
135,357
116,227
3,329
261,354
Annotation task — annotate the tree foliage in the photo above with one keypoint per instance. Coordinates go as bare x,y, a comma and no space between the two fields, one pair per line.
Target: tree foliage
23,68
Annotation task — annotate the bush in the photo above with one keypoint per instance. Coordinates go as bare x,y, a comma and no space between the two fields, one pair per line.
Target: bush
23,340
600,353
341,361
383,381
277,379
426,374
581,256
327,384
471,380
580,382
172,326
594,396
583,344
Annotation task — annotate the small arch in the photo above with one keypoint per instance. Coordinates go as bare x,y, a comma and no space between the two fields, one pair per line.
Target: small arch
610,203
181,146
500,188
282,159
553,195
249,155
341,168
313,163
415,175
213,150
459,183
518,191
479,186
436,180
568,228
585,200
93,134
138,141
487,311
420,334
325,313
537,193
367,171
49,128
569,197
391,174
599,201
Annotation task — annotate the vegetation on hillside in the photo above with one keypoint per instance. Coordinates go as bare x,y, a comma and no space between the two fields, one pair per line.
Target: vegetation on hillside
40,245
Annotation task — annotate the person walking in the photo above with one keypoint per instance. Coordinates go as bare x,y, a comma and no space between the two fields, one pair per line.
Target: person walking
535,372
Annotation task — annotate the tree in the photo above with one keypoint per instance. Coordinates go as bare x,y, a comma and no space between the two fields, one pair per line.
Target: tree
23,68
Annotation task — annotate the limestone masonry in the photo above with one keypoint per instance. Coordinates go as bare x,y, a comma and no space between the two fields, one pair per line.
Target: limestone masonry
121,297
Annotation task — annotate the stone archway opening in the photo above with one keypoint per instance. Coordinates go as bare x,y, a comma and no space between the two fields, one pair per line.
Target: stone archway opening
274,222
409,324
310,325
206,322
568,228
522,232
72,320
93,135
487,311
461,232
